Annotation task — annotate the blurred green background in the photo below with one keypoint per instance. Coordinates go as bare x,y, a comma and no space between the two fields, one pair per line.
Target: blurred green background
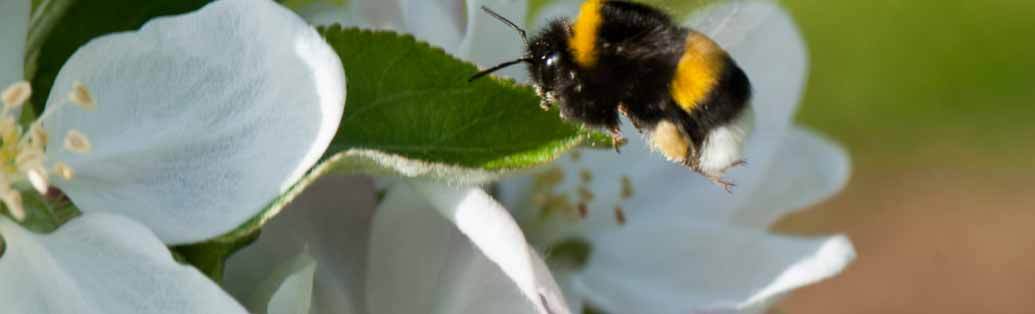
935,100
906,77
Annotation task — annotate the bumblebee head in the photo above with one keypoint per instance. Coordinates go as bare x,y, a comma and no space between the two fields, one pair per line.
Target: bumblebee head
546,54
549,55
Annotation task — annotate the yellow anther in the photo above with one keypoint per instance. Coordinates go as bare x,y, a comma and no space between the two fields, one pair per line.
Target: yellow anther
81,96
585,175
64,171
16,94
77,142
627,188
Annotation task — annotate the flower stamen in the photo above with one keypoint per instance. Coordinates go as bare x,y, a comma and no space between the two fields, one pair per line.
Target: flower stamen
64,171
16,95
23,161
81,96
75,141
627,188
620,215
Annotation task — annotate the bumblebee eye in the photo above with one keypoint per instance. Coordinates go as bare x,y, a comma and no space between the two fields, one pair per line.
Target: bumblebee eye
552,59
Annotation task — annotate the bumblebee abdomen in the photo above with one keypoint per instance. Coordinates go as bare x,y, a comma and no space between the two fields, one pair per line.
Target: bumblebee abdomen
698,72
708,85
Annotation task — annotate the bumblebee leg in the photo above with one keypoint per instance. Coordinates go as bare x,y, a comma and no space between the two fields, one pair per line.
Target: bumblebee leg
625,112
693,161
546,99
617,140
735,164
544,104
717,177
725,185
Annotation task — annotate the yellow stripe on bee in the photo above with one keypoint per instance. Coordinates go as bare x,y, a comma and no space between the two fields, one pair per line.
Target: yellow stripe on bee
698,71
587,25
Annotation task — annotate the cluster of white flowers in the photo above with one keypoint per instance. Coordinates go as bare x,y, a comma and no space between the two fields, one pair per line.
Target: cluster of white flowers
193,138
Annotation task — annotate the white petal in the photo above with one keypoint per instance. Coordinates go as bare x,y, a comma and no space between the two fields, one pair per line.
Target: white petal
763,39
807,169
421,263
101,263
332,219
202,118
551,293
294,295
488,41
674,267
14,25
439,22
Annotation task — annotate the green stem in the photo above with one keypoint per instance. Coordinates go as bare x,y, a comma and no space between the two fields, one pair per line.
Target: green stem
210,257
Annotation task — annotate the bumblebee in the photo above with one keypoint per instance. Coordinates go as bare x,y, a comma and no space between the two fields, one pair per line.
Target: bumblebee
676,85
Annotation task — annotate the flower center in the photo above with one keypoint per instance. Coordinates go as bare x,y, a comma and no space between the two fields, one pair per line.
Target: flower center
558,206
23,162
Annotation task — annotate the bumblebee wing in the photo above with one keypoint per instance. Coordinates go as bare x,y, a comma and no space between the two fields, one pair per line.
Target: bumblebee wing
763,39
733,24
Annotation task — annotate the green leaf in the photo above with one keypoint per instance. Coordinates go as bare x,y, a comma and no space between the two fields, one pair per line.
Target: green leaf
409,99
59,27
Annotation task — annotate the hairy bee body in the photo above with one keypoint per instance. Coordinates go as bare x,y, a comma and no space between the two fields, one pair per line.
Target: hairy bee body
676,85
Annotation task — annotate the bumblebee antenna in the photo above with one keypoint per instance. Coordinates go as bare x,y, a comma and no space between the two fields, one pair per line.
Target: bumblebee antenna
521,31
524,37
497,68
